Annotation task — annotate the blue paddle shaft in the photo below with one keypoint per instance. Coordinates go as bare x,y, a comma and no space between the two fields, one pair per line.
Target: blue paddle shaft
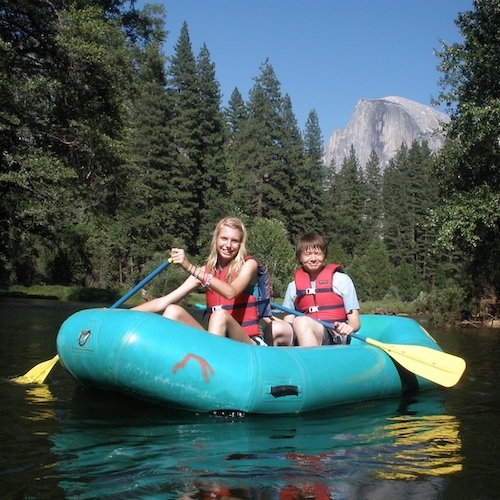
144,282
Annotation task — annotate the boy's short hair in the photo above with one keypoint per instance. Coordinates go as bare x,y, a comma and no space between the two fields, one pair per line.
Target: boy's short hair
310,241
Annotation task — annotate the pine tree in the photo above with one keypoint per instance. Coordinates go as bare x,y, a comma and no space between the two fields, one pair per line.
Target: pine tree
423,193
372,285
406,281
313,178
347,228
236,115
213,190
144,219
185,134
258,156
373,206
398,222
328,219
290,181
410,194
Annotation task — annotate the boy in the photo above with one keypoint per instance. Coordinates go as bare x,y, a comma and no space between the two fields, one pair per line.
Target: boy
321,292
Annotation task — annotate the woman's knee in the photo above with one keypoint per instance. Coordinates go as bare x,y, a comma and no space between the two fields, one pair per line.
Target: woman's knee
218,322
219,316
173,311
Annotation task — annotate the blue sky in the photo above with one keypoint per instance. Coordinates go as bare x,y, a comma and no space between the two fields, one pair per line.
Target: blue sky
327,54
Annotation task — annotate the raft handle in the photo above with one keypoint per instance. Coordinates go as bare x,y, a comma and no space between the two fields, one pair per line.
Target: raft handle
83,337
278,391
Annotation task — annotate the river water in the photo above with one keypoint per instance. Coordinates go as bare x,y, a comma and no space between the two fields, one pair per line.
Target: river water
59,440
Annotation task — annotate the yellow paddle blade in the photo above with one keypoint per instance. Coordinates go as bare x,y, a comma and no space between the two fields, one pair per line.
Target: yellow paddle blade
38,373
437,366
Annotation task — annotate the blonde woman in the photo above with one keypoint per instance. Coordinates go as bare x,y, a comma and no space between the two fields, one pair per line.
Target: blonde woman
229,277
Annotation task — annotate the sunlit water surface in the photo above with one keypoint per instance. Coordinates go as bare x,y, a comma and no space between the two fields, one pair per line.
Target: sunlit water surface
59,440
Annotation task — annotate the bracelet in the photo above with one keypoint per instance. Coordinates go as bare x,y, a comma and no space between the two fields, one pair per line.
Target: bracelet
191,269
204,280
197,275
208,281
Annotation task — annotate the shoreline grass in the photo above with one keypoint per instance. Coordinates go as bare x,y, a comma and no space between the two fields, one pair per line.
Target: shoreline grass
82,294
99,295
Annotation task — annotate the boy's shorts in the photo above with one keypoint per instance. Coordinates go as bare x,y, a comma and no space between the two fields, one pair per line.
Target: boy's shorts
331,337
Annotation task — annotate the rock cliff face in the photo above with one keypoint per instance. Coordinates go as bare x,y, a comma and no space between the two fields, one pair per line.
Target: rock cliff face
383,125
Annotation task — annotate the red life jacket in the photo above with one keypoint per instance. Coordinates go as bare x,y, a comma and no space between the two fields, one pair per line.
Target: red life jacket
320,302
248,307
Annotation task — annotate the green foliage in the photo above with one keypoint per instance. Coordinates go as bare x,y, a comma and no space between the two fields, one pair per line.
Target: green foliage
306,190
113,152
185,174
269,242
292,181
443,305
39,185
66,293
65,88
399,220
469,164
347,207
257,150
371,272
361,277
406,281
469,216
373,205
337,254
390,304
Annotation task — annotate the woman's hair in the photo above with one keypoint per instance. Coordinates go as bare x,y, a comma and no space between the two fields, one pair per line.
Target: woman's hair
237,263
310,241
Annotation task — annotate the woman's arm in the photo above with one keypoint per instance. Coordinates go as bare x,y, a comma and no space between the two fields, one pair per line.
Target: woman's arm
247,276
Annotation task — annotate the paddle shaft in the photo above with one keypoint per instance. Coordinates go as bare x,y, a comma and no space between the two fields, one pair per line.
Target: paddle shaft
144,282
434,365
40,372
298,313
324,323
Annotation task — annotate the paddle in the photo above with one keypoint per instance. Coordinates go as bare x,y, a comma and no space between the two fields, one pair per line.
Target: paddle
39,373
437,366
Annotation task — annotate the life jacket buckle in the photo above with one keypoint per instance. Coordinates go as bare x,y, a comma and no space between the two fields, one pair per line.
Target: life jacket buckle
215,308
310,291
313,309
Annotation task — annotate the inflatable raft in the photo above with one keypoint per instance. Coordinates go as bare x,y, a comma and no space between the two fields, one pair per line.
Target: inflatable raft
154,359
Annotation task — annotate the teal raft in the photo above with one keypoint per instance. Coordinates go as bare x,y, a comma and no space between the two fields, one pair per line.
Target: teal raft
161,361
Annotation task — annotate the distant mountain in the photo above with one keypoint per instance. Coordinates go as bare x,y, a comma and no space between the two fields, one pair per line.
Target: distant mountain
383,125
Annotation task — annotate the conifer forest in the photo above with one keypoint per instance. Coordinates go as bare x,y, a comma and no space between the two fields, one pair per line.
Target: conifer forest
113,152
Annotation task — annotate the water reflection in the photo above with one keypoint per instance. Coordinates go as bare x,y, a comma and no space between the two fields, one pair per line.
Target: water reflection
429,445
141,450
61,441
41,401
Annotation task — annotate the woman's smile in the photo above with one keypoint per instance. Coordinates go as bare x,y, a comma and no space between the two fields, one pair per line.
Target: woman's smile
229,241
